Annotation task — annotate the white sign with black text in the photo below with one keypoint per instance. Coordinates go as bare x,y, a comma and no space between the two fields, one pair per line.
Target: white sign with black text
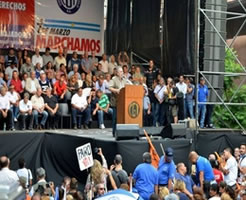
84,155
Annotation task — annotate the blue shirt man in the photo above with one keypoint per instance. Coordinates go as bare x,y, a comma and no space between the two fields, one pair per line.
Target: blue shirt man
166,169
146,178
202,97
181,175
204,171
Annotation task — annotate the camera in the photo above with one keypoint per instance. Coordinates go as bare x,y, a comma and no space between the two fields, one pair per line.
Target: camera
96,150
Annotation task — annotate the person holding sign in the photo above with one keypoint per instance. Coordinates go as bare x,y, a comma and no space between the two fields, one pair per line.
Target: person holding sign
98,175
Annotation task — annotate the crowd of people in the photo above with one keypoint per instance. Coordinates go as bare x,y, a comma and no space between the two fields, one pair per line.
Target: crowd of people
221,176
33,87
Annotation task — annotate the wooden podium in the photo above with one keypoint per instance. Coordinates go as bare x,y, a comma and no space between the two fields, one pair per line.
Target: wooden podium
130,105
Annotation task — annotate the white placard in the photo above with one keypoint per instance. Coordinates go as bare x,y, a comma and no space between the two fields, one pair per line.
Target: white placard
84,155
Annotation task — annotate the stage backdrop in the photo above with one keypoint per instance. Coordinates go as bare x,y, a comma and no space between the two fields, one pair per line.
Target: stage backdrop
75,24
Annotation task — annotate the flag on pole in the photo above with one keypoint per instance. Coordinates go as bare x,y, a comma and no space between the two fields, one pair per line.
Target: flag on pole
154,155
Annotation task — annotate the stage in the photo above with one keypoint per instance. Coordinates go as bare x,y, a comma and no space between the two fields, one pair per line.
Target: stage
55,149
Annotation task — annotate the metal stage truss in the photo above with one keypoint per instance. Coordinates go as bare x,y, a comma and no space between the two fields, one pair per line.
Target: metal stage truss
200,73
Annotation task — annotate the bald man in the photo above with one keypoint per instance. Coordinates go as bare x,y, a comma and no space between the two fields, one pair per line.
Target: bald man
204,171
7,176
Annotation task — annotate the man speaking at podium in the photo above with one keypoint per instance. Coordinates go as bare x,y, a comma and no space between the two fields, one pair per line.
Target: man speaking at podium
115,85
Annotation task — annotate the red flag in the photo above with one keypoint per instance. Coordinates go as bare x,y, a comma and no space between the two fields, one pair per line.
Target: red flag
154,155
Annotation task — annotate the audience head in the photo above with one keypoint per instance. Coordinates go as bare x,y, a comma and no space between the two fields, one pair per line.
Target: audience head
193,156
243,149
66,182
33,75
202,81
62,78
36,196
214,190
96,172
179,185
37,51
222,187
74,184
11,51
154,197
3,91
163,192
171,196
227,153
26,97
214,163
21,163
118,159
181,78
99,93
169,154
80,91
181,168
147,157
4,162
125,69
100,190
75,55
48,91
119,72
75,68
211,157
47,50
225,196
40,173
151,64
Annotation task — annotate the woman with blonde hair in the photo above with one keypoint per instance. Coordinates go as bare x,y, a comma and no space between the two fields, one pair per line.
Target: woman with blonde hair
163,192
179,188
98,175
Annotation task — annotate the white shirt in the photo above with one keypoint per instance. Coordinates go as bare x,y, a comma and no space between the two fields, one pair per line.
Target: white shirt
25,107
4,102
182,88
159,90
231,165
37,59
242,163
214,198
24,172
104,66
33,86
80,101
13,97
8,177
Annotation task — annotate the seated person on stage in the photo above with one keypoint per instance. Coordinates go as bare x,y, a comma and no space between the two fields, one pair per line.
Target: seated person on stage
5,112
38,109
32,84
60,89
26,115
51,105
102,107
15,81
80,108
44,83
93,100
101,84
14,99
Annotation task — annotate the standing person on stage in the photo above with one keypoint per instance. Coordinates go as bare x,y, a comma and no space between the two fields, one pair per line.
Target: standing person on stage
159,106
230,170
181,85
146,178
151,74
204,171
202,97
189,98
115,86
166,169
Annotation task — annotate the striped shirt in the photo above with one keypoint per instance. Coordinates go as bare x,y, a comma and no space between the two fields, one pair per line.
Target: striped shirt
103,101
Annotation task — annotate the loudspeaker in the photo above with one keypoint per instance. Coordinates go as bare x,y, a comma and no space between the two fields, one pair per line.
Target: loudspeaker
151,130
127,131
212,48
174,130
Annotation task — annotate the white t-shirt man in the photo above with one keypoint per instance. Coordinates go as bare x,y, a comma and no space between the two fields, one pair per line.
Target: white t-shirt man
25,107
182,88
104,66
13,97
79,101
231,177
4,102
159,90
8,177
24,172
37,59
